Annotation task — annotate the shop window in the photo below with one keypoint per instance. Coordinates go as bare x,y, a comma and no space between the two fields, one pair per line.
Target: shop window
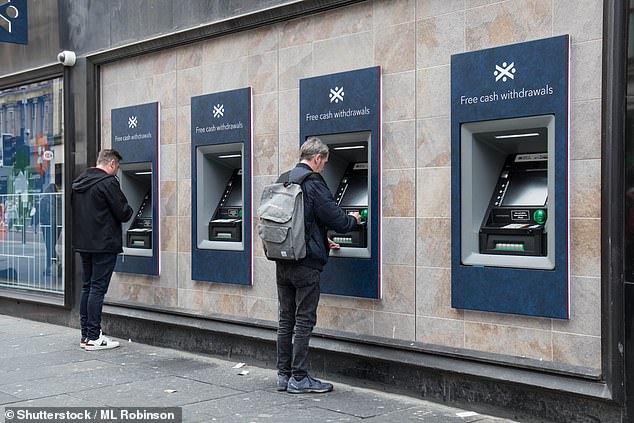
31,187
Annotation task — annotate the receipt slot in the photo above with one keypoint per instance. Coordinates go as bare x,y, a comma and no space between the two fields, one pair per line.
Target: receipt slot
220,196
507,181
346,175
136,184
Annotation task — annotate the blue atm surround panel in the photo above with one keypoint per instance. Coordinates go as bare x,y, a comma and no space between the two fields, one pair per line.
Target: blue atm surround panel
492,89
331,107
221,127
135,134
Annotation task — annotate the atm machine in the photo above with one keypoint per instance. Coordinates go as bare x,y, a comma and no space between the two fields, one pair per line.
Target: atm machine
226,223
514,223
352,196
140,233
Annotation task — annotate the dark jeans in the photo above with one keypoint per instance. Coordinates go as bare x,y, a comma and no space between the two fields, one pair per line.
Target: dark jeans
97,270
298,297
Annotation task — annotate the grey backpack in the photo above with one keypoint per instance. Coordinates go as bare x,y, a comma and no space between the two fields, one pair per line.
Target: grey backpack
281,214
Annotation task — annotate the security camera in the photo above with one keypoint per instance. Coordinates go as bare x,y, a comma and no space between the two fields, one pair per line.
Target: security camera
67,58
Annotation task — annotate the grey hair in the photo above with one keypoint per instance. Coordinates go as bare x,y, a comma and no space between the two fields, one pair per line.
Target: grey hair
108,155
312,147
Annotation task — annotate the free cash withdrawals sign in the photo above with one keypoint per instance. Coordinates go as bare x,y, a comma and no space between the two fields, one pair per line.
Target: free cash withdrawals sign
518,80
14,21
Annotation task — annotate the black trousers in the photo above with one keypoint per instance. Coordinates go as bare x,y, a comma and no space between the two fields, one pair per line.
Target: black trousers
298,297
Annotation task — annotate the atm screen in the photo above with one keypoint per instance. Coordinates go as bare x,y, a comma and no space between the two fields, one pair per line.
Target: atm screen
235,198
527,189
356,193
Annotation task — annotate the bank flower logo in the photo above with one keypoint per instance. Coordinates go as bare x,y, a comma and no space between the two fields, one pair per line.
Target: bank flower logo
132,122
8,16
219,110
504,72
336,95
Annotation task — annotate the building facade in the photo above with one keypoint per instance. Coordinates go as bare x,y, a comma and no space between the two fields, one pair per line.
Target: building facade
411,335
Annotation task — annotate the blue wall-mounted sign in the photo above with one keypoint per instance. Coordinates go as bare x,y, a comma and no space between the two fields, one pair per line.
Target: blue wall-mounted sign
135,134
14,22
516,81
219,120
348,103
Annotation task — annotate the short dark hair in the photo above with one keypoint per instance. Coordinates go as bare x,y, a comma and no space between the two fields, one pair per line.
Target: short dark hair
107,155
312,147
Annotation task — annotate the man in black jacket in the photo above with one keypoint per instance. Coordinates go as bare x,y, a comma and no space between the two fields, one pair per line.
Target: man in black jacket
99,207
298,282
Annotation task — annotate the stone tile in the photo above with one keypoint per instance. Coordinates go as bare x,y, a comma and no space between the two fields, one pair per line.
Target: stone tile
189,299
437,38
165,297
229,47
395,326
265,114
433,140
398,232
169,271
399,195
289,150
151,393
296,32
507,22
585,247
433,193
470,4
184,197
514,341
184,165
585,308
167,163
295,63
228,304
263,72
360,404
398,103
164,62
109,99
262,39
501,319
62,400
387,13
265,155
429,8
433,293
433,92
585,188
395,48
354,321
240,404
189,56
398,290
443,332
343,54
165,86
264,285
289,111
136,91
185,272
577,350
262,308
189,83
585,71
168,122
585,133
343,21
578,18
184,234
169,233
143,65
398,145
433,242
223,76
169,199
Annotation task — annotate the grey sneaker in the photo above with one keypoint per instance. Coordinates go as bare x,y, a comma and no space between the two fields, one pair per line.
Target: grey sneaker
307,385
282,382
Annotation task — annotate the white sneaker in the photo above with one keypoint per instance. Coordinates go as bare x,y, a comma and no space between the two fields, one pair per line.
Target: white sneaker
101,343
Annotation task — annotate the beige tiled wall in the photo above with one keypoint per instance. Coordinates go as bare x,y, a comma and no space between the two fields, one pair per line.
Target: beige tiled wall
412,40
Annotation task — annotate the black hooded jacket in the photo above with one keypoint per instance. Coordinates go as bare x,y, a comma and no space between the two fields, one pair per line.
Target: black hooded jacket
99,207
321,213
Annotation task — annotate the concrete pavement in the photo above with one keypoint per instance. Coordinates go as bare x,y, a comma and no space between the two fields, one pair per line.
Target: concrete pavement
42,365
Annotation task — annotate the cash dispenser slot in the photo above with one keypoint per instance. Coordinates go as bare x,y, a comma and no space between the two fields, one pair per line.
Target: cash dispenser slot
352,196
514,223
226,223
140,233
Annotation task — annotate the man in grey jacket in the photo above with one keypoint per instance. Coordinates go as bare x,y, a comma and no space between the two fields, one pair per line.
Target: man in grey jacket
99,208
